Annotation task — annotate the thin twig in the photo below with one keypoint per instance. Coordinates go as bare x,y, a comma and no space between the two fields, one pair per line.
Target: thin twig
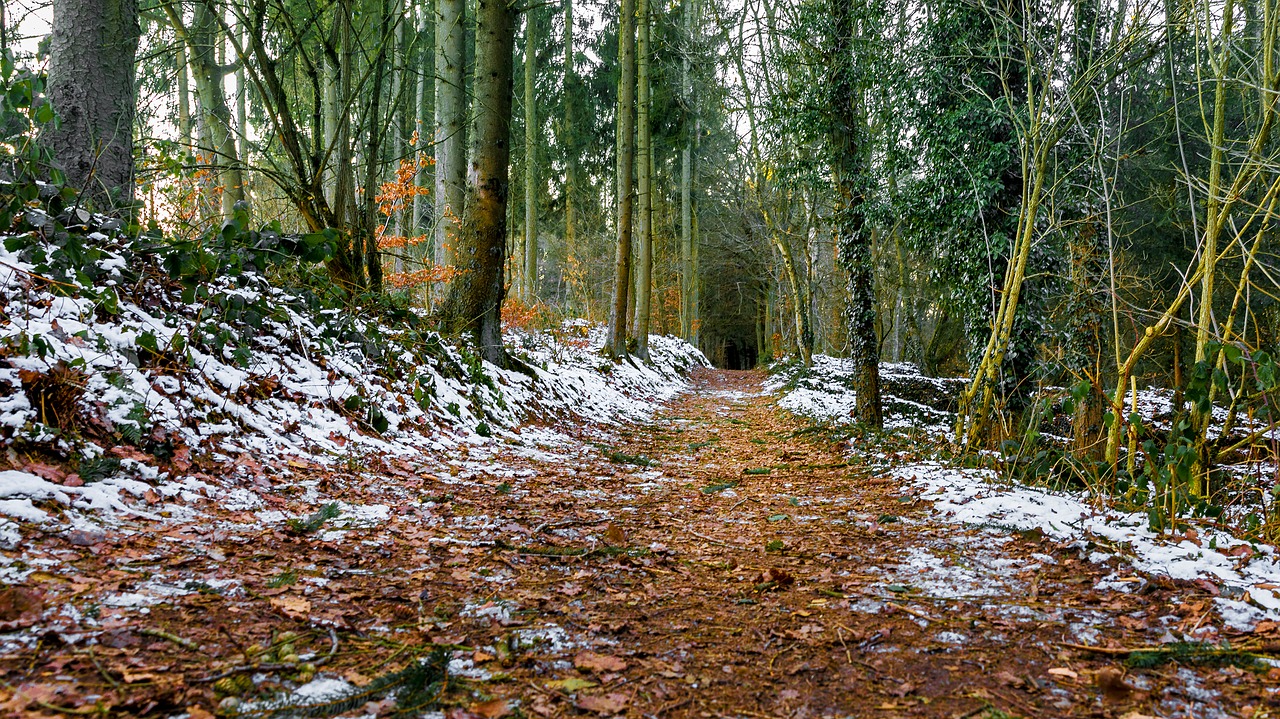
171,637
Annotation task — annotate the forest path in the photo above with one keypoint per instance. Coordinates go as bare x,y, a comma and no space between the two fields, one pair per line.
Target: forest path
802,584
718,560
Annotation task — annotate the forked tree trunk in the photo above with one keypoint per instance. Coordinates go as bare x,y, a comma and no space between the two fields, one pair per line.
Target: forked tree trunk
91,86
474,305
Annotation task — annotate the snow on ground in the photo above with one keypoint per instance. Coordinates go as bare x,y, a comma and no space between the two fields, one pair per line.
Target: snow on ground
1246,575
130,411
824,392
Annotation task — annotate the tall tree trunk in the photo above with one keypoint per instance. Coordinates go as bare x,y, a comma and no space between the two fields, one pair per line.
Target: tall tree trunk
474,305
568,141
617,341
204,40
91,81
184,98
374,128
242,100
530,162
848,154
423,105
451,115
644,172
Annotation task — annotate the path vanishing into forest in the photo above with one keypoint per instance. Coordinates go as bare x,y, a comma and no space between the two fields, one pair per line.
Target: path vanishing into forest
718,561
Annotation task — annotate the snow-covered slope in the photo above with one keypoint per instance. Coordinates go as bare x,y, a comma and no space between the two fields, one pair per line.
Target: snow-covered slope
119,391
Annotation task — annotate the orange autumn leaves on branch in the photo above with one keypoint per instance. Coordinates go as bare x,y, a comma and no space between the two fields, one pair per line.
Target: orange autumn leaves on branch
396,195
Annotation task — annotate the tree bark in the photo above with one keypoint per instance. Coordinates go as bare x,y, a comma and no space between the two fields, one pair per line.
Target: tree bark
423,109
568,141
644,172
530,162
853,241
617,342
91,85
203,42
474,305
184,98
451,114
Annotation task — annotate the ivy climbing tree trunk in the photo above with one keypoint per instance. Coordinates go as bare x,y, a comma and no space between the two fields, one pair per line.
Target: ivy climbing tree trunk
846,138
617,341
91,86
474,305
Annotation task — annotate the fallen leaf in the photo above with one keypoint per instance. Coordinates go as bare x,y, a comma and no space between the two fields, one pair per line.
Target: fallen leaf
1064,673
572,684
1111,681
19,608
598,662
1009,679
492,709
605,704
614,536
292,607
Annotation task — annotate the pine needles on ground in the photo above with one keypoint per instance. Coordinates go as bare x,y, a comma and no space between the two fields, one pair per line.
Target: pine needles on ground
300,525
417,688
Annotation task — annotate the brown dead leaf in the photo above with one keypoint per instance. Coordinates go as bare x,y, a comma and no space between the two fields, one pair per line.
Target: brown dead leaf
1111,681
614,536
902,689
776,576
1009,679
492,709
598,662
603,704
19,608
292,607
1063,673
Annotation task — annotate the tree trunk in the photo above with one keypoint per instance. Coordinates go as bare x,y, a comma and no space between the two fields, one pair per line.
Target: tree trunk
853,241
644,224
204,39
530,162
242,101
474,305
374,129
184,99
91,86
423,113
451,115
568,141
617,342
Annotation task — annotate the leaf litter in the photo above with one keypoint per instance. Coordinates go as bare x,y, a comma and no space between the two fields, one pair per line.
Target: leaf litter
604,588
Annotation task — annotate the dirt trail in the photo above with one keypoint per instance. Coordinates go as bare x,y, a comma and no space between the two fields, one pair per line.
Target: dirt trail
718,561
